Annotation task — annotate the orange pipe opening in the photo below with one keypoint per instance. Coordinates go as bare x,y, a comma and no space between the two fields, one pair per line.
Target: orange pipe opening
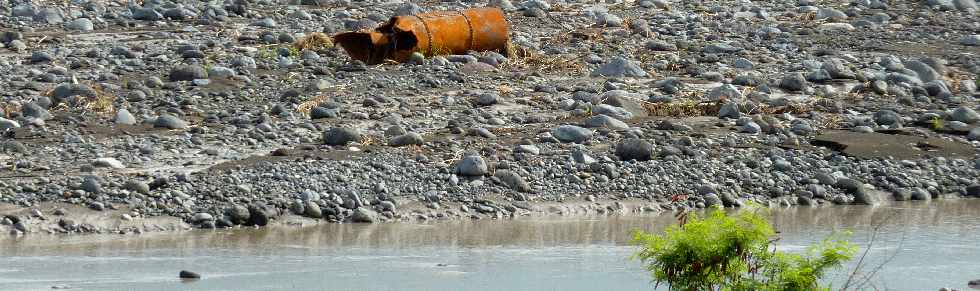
434,33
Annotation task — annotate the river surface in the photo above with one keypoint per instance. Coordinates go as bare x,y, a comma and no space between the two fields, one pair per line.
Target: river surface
924,246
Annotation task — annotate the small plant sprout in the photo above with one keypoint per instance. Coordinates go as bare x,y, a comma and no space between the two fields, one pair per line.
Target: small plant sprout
936,123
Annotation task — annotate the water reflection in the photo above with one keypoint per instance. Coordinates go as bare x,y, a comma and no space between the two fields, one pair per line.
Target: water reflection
954,218
935,244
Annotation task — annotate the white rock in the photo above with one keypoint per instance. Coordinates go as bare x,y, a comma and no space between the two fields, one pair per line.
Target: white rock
8,124
108,163
835,26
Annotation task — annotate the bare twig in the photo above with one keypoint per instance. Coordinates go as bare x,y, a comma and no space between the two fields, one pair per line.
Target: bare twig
867,278
858,281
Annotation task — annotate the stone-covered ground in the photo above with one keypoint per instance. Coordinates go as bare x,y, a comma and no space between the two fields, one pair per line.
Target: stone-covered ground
211,112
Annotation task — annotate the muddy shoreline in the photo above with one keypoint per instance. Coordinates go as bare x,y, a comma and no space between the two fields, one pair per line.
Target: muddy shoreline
113,223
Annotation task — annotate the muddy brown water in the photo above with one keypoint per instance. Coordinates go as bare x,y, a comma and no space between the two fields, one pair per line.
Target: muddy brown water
924,246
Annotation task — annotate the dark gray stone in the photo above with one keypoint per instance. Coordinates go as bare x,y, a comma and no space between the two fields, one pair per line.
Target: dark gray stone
184,274
36,111
572,133
925,72
487,99
170,122
825,179
320,112
970,40
92,185
410,138
20,10
659,45
312,210
837,69
238,214
603,120
259,214
793,82
147,14
634,149
857,189
364,215
49,15
920,194
888,118
729,110
513,180
341,136
965,114
137,186
729,200
973,190
188,73
712,199
97,206
902,194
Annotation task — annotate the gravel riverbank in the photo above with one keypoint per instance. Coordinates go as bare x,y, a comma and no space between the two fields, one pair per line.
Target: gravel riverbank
210,114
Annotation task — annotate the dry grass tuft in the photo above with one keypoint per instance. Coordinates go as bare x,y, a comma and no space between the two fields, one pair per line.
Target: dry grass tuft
795,109
691,108
308,105
505,130
455,158
368,140
833,121
955,80
523,58
314,42
101,103
808,19
685,108
10,107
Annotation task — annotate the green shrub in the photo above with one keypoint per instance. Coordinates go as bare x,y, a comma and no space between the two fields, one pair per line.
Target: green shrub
722,252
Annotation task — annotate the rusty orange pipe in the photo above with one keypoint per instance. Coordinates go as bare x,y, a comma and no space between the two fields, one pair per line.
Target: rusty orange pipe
434,33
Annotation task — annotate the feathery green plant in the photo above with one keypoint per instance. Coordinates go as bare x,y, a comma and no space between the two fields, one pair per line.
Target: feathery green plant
735,252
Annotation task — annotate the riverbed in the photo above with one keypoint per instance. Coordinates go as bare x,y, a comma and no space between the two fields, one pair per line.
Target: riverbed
924,246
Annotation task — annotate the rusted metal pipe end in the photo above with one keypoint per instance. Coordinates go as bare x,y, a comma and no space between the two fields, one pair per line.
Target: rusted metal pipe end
365,46
435,33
